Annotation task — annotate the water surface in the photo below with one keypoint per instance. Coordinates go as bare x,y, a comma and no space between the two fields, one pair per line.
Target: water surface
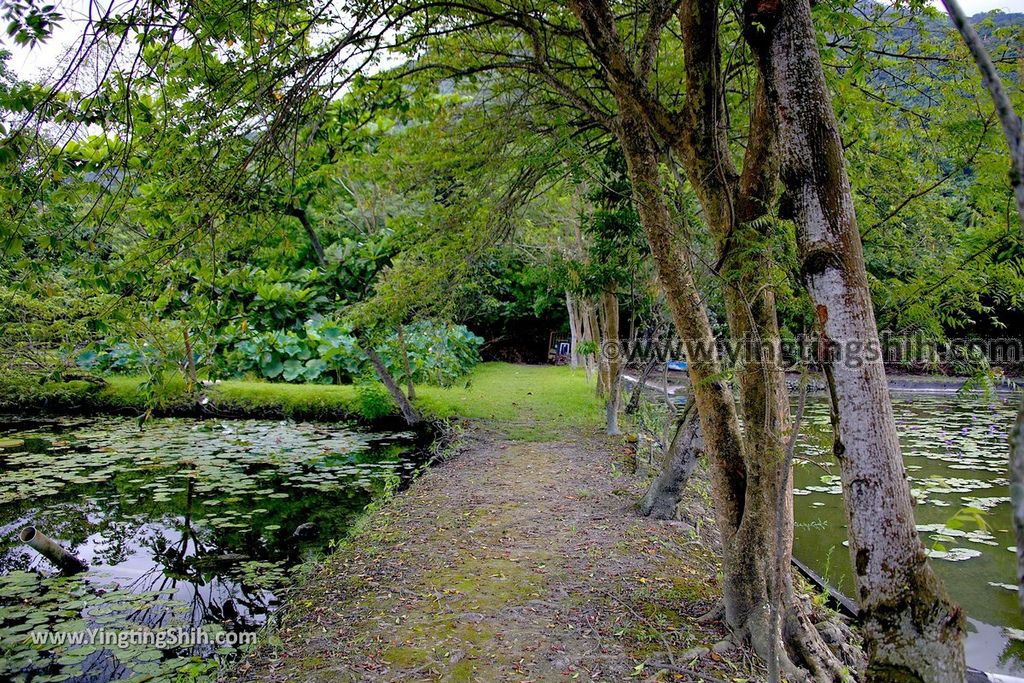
956,453
184,524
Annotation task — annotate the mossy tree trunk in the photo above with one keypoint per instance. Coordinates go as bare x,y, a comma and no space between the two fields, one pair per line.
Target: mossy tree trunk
680,458
911,628
745,565
747,476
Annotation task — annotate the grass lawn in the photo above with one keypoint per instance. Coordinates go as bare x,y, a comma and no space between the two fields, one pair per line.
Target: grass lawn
533,402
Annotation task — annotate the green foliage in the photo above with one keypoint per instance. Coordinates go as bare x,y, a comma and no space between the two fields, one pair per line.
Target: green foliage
374,400
30,22
323,350
616,253
942,258
588,348
192,193
439,354
121,357
326,351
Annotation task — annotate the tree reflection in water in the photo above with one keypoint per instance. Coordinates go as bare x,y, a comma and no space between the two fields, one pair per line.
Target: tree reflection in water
185,524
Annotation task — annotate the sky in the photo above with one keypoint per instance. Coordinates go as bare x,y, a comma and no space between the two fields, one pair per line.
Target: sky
31,63
975,6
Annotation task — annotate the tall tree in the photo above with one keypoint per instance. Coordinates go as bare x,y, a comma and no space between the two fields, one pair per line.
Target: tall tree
747,463
912,629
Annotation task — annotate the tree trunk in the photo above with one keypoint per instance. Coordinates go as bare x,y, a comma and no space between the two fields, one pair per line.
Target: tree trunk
190,361
611,358
747,466
603,383
409,411
911,629
735,207
574,331
588,328
712,395
410,387
638,389
592,330
662,498
300,214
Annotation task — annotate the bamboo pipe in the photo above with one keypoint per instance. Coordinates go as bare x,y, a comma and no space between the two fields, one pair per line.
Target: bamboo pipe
51,550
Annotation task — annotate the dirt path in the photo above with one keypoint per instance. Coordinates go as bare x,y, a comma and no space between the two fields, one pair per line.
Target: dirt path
513,561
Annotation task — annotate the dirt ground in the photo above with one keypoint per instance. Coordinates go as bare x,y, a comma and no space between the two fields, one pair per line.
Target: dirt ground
513,561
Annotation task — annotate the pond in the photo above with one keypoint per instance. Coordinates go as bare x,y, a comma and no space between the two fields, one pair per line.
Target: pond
956,455
192,529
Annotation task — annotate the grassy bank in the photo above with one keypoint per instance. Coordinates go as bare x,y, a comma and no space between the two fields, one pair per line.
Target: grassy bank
537,401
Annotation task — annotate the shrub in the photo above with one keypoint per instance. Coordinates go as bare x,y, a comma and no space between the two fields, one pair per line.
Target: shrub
374,400
321,351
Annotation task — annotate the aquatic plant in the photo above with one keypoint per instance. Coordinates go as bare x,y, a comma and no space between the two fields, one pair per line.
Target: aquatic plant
186,524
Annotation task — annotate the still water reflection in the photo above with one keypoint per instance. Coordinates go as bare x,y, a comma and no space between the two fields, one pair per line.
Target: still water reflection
185,524
955,451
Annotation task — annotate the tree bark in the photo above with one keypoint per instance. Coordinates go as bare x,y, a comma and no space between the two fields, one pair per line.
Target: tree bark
662,498
589,328
734,206
911,628
638,389
747,465
712,395
603,383
592,326
190,360
574,331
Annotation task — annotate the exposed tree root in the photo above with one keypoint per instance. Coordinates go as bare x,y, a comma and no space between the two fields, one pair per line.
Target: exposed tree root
816,645
822,660
716,613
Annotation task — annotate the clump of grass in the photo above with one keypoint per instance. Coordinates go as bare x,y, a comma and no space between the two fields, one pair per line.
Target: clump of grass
25,390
